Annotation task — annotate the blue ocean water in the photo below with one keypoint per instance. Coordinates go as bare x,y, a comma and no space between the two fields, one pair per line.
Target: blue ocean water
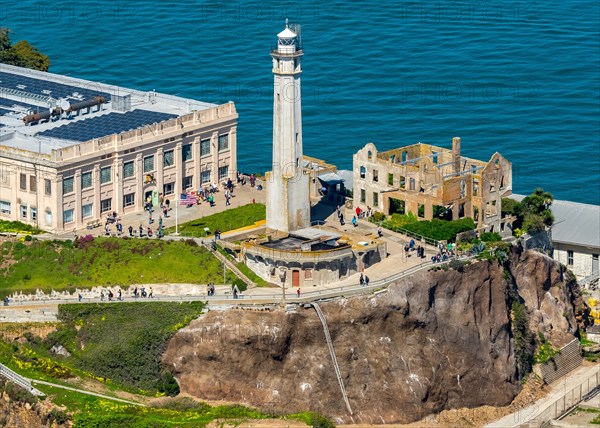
521,78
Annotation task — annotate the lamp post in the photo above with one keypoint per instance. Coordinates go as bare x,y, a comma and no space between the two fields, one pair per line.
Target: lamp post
176,216
282,274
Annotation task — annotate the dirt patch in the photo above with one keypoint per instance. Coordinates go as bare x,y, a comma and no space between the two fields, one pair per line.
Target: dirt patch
263,423
477,417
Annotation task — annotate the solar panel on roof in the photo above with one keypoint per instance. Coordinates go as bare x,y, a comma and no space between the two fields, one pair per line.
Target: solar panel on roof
108,124
41,87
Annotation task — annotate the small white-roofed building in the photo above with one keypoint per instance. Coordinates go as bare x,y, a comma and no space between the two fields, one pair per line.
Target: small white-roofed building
575,236
73,151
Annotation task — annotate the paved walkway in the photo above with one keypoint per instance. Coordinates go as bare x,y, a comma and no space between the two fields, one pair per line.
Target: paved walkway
243,195
82,391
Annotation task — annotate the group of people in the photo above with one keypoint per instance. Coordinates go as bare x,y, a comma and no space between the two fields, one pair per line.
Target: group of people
411,247
143,292
363,281
210,289
110,296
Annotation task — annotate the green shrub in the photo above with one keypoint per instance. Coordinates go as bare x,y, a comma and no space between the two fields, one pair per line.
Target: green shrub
55,416
17,227
533,223
456,264
490,237
28,238
124,341
524,340
378,217
167,384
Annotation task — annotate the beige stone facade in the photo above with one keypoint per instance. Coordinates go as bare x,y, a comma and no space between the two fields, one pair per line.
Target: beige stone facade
431,181
70,187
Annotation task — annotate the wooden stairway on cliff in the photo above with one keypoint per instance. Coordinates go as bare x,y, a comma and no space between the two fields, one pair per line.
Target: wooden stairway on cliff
566,361
17,379
333,357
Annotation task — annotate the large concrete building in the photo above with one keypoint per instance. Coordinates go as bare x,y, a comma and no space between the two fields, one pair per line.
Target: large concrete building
72,151
288,199
431,181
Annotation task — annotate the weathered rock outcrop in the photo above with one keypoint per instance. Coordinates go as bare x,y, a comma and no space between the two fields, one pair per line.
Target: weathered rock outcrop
434,341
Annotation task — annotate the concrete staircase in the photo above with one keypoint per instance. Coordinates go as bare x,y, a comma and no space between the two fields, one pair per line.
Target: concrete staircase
333,357
17,379
567,360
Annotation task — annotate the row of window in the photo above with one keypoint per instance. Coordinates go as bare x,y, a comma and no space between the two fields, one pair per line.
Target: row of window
148,165
86,180
129,199
33,184
363,197
25,214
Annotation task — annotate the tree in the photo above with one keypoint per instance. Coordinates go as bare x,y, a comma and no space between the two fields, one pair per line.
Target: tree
21,54
30,57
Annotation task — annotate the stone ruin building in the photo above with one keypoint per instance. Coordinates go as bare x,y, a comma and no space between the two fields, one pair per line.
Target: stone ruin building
433,182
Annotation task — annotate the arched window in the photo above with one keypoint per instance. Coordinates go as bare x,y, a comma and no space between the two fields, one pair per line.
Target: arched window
369,155
363,172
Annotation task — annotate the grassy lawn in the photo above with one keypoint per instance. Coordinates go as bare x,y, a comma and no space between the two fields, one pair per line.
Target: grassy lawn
234,218
245,269
60,265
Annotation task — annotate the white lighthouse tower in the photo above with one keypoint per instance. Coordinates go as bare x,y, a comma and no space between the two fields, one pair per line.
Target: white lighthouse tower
288,200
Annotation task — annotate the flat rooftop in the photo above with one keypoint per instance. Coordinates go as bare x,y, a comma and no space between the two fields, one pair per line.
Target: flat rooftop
24,92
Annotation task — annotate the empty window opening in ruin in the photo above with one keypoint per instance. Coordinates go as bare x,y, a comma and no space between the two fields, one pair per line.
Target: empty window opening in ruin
390,179
397,206
363,172
404,156
375,199
434,157
375,176
442,212
491,209
402,182
369,155
475,187
421,211
476,214
502,182
412,184
363,196
461,210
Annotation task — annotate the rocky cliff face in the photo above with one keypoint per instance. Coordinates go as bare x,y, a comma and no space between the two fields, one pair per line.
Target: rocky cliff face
437,340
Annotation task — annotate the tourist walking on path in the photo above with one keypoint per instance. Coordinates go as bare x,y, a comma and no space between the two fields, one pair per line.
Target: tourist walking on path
361,280
151,294
354,221
130,231
366,281
120,298
298,291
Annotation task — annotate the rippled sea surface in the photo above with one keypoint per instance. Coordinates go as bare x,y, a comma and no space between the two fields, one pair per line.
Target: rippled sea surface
518,78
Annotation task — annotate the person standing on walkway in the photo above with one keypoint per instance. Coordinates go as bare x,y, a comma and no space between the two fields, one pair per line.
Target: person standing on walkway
361,280
366,281
298,292
151,293
354,221
120,298
130,231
